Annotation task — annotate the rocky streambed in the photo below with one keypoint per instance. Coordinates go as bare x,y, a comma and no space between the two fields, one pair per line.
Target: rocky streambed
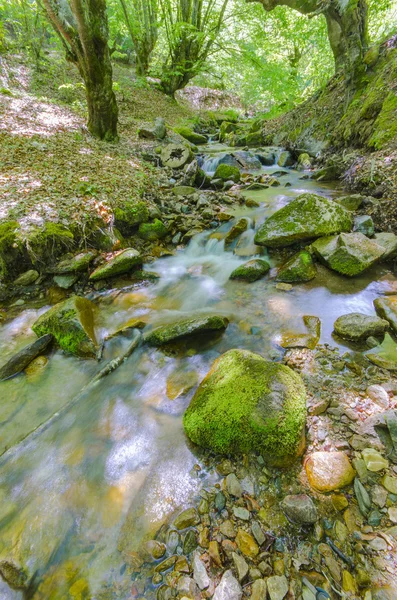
276,326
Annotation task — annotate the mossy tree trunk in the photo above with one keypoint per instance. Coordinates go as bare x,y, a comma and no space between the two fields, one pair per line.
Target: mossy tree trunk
347,30
82,26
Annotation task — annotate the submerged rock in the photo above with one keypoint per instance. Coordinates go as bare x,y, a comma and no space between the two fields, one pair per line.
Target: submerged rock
303,340
246,403
71,322
306,217
277,587
251,271
387,309
236,231
228,589
300,509
299,268
328,471
384,355
186,327
348,253
120,264
358,327
24,357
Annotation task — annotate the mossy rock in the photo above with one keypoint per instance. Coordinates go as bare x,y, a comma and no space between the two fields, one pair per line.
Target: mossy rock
358,327
130,215
10,249
186,328
254,139
299,268
251,271
71,322
225,128
49,243
349,253
152,231
122,263
306,217
236,231
285,159
304,161
191,136
351,202
75,264
247,404
386,123
227,173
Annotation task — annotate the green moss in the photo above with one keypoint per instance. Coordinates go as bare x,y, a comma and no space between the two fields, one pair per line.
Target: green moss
130,215
227,173
304,218
385,124
245,404
153,231
49,242
187,327
299,268
225,128
10,248
72,324
190,135
254,139
251,271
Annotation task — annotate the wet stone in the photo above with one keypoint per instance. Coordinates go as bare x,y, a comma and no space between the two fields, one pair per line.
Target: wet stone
362,496
228,589
227,529
357,327
241,513
190,542
233,486
187,518
259,590
241,566
277,587
374,461
300,509
328,471
378,395
173,539
214,553
166,564
200,575
390,483
258,533
246,544
220,501
155,549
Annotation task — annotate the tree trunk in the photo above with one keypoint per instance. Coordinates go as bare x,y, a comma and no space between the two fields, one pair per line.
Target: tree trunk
82,26
347,29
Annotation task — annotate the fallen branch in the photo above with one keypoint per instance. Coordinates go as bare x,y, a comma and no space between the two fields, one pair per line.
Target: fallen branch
106,370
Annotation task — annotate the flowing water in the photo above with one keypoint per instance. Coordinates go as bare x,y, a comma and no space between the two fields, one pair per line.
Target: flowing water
115,466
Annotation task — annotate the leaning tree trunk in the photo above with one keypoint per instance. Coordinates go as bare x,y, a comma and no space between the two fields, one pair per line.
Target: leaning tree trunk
347,29
82,26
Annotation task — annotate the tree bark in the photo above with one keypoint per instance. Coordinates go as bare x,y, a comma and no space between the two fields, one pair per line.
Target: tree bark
83,28
347,29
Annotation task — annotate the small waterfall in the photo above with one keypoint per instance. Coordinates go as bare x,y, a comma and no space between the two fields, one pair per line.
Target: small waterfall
210,163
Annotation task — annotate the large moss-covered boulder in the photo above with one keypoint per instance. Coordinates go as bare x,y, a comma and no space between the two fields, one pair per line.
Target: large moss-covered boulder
120,264
299,268
186,328
49,242
307,217
358,327
75,264
152,231
251,271
191,136
227,173
246,403
349,253
71,322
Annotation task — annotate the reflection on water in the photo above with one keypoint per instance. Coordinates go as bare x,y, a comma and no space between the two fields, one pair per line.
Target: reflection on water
110,470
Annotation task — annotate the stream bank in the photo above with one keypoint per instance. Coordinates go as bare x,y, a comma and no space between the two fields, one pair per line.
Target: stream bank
83,498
